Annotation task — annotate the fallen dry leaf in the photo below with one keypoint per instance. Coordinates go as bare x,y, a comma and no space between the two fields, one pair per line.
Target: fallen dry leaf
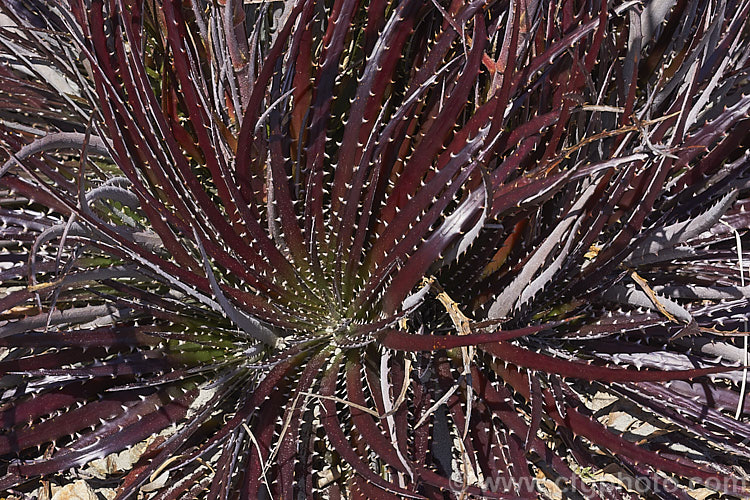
77,490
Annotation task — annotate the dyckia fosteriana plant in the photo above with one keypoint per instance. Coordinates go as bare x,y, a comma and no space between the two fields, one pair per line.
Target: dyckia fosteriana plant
384,249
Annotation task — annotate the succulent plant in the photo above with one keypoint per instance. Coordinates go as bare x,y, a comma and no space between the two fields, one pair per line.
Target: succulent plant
385,249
